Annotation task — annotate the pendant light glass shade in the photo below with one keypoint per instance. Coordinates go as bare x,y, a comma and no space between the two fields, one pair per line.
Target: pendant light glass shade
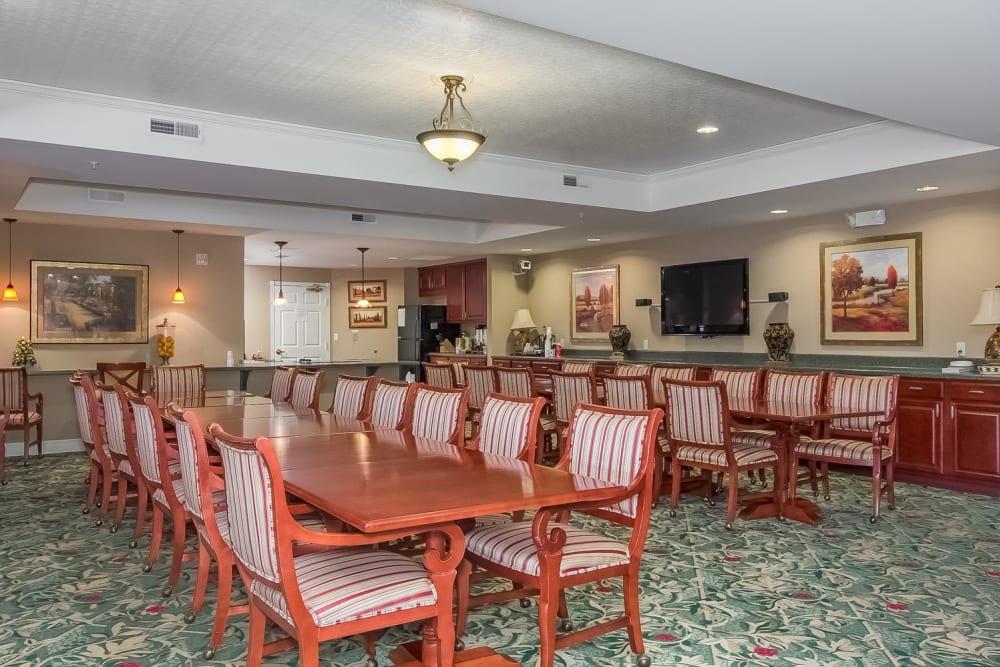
363,301
280,300
454,138
178,297
9,293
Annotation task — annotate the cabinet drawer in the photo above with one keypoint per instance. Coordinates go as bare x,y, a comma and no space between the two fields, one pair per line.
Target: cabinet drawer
546,367
502,363
520,364
987,392
920,389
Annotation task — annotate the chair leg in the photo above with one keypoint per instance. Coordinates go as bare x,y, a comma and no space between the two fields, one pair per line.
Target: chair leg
91,499
107,481
812,478
462,580
563,612
27,433
177,557
120,496
675,487
140,513
201,580
630,589
308,648
222,603
255,639
658,466
890,486
734,490
548,607
876,490
824,469
38,438
154,543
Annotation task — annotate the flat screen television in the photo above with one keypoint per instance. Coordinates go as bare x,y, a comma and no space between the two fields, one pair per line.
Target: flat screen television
705,299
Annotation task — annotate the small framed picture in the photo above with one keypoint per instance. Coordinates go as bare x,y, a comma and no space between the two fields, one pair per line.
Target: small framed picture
373,290
367,318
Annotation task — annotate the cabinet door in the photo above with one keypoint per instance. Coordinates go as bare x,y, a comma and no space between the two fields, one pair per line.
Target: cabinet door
455,291
424,281
920,437
475,290
975,440
439,279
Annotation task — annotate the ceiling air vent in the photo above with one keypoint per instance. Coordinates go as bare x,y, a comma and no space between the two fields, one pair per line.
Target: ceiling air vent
175,128
106,196
363,218
573,181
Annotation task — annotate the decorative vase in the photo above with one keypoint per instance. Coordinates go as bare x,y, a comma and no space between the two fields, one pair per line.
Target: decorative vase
165,341
619,336
778,337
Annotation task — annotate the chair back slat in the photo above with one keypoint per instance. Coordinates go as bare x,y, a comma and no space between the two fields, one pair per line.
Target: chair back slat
14,388
351,396
190,472
608,445
623,392
178,383
660,371
439,375
568,389
631,370
790,387
151,446
739,383
860,392
437,414
389,403
459,368
305,389
696,412
508,426
481,382
518,382
84,415
281,384
132,374
114,421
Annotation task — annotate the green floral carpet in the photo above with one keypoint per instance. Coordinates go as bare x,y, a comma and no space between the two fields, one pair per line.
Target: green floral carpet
922,587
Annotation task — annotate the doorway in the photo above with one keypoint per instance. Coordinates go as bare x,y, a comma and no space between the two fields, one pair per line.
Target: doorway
301,328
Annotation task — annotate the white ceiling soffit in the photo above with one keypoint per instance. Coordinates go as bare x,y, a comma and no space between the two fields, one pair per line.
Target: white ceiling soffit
136,204
929,64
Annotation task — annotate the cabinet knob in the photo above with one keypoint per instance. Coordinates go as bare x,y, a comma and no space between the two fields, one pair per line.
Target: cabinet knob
976,391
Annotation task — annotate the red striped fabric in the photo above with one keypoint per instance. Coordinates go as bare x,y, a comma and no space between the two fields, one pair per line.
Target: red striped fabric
17,418
608,447
860,392
145,441
739,384
694,414
481,382
627,393
631,370
505,427
189,469
577,367
841,448
82,413
512,546
178,383
435,414
440,375
281,384
349,397
387,405
793,387
567,391
742,455
13,388
657,374
459,367
515,382
114,425
305,390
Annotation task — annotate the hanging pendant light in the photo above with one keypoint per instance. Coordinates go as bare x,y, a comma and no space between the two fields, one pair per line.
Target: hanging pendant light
9,293
453,139
178,293
363,301
281,300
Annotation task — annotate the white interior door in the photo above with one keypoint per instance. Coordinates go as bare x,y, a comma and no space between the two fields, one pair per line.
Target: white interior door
301,329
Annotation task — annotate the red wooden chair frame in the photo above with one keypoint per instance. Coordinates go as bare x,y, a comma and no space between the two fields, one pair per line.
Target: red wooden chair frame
368,393
300,396
291,371
15,396
132,374
457,435
432,371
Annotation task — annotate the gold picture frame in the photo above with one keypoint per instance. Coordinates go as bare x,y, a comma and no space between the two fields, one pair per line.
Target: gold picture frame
89,302
373,317
871,291
595,302
373,290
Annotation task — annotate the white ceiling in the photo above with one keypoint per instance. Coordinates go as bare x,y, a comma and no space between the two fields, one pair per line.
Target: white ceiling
309,109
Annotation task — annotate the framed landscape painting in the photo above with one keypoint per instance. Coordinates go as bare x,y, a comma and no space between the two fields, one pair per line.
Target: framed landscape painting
85,302
870,291
373,290
367,318
594,295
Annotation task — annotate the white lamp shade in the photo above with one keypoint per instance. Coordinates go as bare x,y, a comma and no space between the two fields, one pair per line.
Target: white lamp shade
989,307
522,320
451,145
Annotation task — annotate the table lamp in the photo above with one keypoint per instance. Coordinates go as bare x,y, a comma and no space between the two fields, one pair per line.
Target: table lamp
521,325
989,313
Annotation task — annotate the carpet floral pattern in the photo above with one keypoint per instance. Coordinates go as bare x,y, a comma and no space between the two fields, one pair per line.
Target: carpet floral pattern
921,587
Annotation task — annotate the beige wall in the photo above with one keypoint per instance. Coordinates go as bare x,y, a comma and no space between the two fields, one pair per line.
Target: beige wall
961,236
368,344
505,294
209,324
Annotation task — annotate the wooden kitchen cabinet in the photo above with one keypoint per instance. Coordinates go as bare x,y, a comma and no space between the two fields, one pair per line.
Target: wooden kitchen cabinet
974,430
475,290
920,432
431,281
455,291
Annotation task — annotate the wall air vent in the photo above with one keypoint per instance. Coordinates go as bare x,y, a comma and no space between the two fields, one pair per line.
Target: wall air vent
363,218
573,181
106,196
175,128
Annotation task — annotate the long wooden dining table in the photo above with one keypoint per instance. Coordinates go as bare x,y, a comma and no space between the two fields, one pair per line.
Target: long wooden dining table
382,479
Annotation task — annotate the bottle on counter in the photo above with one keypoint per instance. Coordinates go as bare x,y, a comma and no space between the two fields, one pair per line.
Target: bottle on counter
549,351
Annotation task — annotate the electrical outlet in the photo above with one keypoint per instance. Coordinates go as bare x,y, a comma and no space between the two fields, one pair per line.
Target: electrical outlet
645,343
336,336
960,349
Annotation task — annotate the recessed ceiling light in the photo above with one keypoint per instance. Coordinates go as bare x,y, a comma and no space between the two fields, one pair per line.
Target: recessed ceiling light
928,188
708,129
392,257
779,211
525,249
593,240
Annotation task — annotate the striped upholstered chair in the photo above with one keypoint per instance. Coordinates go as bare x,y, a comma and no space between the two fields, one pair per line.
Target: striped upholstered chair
481,382
698,431
863,441
569,366
305,390
4,418
352,396
660,371
388,404
122,456
630,370
25,408
614,447
568,389
183,384
628,392
102,468
350,589
785,387
519,382
163,482
437,414
440,375
281,384
740,384
509,426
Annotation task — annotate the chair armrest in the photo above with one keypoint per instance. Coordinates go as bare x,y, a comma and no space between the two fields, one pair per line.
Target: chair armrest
37,398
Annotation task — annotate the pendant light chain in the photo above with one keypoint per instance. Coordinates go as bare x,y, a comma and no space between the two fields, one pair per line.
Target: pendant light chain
363,301
9,293
178,297
281,300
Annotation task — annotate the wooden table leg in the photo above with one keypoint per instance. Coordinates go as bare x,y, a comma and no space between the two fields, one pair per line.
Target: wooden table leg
797,509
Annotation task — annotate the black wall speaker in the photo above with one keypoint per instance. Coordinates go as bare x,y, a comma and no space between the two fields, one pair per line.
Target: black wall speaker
777,296
644,302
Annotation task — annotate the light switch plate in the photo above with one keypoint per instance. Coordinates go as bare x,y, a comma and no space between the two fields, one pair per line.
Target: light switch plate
201,259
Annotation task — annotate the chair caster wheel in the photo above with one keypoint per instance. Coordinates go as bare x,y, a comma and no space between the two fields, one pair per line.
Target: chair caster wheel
25,464
98,503
525,603
459,645
673,512
371,662
147,568
872,519
86,510
114,528
566,625
826,497
186,575
99,523
209,653
729,526
167,590
132,544
644,661
3,482
189,619
711,502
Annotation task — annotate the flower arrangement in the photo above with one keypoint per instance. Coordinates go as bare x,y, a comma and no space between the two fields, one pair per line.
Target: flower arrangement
24,354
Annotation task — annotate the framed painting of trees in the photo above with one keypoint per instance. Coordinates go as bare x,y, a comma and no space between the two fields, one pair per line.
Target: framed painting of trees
870,291
594,295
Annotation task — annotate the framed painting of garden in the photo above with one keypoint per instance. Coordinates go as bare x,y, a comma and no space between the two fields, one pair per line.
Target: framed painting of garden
870,291
594,293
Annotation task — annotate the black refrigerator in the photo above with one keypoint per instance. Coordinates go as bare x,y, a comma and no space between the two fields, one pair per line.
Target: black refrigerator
421,330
